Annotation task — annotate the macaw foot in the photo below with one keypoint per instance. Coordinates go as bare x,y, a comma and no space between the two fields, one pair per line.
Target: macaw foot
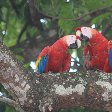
87,65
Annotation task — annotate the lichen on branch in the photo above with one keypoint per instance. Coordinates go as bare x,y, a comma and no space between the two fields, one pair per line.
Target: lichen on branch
54,91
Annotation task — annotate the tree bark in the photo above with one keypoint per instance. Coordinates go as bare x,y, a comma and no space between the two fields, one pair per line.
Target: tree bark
54,91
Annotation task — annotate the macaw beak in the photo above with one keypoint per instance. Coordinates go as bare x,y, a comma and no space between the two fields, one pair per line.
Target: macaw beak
83,37
78,33
80,36
73,46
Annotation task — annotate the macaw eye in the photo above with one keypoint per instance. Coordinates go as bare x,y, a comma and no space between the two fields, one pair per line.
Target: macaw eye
72,36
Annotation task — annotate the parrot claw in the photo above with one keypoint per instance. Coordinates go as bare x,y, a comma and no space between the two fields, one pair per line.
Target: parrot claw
87,65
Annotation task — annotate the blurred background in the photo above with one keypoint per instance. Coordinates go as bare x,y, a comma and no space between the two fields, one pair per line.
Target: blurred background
27,26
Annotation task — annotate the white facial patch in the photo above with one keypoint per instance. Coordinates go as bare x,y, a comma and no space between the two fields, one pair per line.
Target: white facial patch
86,31
70,39
78,43
78,33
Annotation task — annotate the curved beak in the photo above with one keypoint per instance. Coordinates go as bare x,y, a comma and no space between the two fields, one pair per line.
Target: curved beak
73,46
81,36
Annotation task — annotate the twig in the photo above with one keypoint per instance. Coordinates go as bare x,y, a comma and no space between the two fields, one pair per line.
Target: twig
107,28
21,33
91,13
14,6
6,24
35,15
11,103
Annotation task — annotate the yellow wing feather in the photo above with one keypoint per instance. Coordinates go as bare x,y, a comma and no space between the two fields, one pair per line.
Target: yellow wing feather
37,62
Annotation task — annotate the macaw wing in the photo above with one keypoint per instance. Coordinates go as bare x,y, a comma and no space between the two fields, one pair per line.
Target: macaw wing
110,58
42,60
41,63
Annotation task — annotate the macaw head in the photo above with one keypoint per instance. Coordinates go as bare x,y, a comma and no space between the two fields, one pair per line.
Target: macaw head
86,33
72,41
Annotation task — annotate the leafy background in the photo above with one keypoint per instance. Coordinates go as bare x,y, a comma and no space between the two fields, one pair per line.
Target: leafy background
26,33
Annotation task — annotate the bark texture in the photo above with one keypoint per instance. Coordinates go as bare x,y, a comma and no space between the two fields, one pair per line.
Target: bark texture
51,92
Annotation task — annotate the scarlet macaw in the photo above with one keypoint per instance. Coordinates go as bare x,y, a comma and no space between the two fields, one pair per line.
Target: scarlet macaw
96,51
56,58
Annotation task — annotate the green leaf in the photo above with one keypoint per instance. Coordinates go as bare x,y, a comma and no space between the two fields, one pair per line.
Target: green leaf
10,109
20,58
13,31
96,4
66,13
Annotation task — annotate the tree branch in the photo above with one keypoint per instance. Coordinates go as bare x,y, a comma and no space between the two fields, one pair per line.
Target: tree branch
21,33
35,15
51,91
14,6
12,75
107,28
32,5
11,103
91,13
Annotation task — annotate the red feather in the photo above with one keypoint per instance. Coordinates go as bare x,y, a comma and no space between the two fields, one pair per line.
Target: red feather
97,51
58,57
78,28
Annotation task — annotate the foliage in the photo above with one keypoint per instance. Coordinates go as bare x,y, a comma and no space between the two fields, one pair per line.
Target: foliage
66,15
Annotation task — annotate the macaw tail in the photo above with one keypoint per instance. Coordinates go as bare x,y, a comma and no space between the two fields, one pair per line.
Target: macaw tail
110,58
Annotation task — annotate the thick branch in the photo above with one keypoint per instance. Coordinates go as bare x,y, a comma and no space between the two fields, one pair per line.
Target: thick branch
51,92
58,91
12,75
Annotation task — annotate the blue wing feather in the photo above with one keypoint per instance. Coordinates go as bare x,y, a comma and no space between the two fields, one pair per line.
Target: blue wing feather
110,58
42,64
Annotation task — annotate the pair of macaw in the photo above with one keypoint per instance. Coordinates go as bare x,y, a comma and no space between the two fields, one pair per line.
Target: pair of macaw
97,53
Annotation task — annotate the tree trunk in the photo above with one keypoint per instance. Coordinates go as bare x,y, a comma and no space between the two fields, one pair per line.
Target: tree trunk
51,92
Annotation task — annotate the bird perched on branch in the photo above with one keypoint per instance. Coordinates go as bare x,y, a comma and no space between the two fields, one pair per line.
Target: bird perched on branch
56,58
96,54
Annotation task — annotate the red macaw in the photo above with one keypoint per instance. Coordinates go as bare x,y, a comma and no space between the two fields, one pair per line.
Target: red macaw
96,51
56,58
